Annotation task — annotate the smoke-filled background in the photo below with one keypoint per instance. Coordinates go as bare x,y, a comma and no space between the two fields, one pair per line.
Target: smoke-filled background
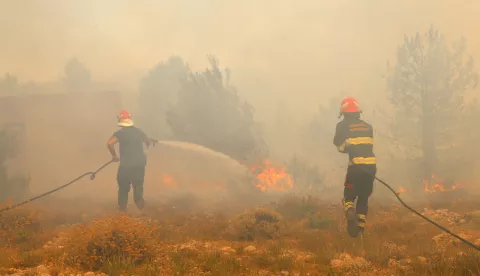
291,61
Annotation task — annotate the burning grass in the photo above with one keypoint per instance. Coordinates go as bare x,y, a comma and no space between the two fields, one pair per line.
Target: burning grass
271,177
294,236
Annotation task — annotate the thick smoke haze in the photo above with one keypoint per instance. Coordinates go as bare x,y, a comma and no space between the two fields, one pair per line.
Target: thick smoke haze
304,51
291,54
243,99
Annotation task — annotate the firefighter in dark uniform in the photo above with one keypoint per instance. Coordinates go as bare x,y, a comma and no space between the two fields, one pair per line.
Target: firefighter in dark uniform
354,137
131,171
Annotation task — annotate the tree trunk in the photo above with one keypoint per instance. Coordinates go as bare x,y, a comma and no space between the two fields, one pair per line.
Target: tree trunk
428,133
428,143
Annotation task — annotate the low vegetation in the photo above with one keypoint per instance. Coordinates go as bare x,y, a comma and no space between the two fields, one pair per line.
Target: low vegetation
294,236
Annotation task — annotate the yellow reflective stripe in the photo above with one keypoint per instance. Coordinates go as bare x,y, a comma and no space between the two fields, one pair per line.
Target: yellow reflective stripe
362,217
360,141
355,141
347,205
363,161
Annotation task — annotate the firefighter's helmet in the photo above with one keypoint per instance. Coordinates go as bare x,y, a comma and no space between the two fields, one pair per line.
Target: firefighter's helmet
349,105
125,119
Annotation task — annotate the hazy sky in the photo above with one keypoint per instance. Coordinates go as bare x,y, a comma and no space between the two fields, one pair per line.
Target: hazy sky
310,48
300,52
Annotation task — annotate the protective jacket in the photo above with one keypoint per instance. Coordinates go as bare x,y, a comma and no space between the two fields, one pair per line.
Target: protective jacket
354,137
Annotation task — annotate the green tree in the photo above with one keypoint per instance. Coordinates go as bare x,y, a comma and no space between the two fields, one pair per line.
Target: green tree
9,148
427,85
306,177
318,133
282,133
158,90
9,84
210,112
460,151
77,77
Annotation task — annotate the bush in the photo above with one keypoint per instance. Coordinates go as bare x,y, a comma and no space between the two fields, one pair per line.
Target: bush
307,177
18,227
111,239
210,112
158,90
318,221
295,207
257,224
14,186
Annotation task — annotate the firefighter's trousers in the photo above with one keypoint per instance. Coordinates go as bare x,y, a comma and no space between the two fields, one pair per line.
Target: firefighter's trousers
133,176
359,185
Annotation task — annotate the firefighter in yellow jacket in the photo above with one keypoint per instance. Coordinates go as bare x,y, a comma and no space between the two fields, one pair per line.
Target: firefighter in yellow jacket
354,137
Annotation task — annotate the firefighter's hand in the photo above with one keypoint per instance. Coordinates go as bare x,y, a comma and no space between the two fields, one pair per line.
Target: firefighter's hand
115,159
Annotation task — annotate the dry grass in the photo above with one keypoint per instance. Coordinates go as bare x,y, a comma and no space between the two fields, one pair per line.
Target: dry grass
301,236
112,239
256,225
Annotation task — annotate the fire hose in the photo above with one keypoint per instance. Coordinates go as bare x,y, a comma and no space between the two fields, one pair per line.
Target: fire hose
427,219
92,177
424,217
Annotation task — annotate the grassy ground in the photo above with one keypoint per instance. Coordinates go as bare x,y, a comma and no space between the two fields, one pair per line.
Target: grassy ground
291,236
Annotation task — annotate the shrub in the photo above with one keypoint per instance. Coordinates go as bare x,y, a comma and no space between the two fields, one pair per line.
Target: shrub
16,186
257,224
111,239
18,227
294,207
318,221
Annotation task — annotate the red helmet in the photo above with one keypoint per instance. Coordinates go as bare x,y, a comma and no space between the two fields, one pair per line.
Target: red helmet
124,115
349,105
125,119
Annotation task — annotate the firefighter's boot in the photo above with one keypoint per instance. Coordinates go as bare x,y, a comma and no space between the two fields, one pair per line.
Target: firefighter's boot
361,221
352,226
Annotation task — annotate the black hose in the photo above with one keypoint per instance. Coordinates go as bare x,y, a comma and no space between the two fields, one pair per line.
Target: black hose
92,177
425,218
93,174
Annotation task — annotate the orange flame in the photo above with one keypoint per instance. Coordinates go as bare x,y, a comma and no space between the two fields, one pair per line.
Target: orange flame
269,177
438,185
425,183
401,190
456,186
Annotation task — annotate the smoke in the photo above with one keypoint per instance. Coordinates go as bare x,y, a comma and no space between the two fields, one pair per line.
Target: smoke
300,53
311,49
